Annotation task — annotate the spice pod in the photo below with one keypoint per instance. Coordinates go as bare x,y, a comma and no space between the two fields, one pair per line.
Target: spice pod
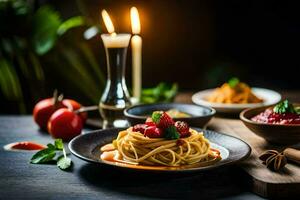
273,160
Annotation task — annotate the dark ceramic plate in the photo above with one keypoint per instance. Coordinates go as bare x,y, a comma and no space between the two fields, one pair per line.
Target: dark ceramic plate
200,115
273,133
87,147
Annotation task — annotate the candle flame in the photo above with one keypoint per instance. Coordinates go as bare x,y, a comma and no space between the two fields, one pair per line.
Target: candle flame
135,20
107,21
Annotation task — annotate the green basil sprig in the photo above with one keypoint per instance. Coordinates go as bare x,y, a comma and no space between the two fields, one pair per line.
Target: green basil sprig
48,155
285,107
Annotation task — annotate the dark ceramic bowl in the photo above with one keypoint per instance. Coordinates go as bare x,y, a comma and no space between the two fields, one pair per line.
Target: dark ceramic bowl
200,115
273,133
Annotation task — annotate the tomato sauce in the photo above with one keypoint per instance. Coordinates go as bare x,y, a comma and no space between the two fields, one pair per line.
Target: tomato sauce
25,145
270,117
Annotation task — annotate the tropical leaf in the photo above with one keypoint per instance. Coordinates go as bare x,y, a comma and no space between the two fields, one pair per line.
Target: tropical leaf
46,22
10,84
80,76
69,24
38,70
25,57
90,57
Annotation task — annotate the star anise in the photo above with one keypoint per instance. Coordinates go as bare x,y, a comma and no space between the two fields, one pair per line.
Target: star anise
273,160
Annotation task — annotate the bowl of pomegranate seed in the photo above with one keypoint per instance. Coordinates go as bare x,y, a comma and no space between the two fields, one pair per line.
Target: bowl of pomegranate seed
194,115
278,124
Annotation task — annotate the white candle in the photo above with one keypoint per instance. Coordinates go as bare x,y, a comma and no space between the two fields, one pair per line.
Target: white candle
136,45
113,40
116,40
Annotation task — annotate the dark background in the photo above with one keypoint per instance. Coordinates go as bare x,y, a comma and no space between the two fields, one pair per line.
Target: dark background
202,43
197,43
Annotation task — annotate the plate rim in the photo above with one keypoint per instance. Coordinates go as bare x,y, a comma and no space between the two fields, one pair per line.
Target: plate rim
210,114
187,170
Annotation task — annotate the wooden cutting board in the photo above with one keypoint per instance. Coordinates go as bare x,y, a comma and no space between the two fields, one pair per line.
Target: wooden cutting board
262,180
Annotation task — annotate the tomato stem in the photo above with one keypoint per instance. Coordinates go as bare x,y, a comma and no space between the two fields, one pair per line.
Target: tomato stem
57,99
55,93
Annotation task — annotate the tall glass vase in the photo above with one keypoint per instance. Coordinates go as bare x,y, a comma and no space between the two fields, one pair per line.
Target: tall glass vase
115,97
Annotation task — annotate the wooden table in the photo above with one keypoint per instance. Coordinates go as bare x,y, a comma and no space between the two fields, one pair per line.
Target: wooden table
261,180
21,180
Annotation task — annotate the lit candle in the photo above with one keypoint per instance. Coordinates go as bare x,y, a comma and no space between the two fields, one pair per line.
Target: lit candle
113,40
136,45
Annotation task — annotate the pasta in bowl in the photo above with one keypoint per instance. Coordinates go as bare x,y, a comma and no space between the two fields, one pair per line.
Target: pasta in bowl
234,92
235,96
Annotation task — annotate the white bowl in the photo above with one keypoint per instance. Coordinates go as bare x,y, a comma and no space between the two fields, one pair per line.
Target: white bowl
269,97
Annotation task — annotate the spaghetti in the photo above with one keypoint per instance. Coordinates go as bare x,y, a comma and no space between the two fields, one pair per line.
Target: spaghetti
134,148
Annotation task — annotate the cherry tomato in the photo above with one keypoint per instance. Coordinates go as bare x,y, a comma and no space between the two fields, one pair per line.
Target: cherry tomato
44,109
74,105
64,124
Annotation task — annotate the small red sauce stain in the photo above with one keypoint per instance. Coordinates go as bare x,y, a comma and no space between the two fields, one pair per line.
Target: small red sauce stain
29,146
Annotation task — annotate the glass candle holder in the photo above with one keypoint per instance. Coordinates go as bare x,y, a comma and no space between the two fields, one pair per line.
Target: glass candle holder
115,97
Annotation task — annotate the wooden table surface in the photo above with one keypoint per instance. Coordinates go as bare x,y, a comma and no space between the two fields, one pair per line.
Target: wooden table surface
21,180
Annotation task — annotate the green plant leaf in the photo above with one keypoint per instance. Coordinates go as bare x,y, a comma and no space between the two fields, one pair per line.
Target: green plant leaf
284,107
10,84
233,82
90,57
51,146
59,144
161,93
171,133
156,116
69,24
79,72
43,156
64,163
171,93
45,25
38,70
297,109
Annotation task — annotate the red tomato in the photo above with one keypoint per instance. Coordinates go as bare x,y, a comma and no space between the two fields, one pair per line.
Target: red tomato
65,124
75,106
43,110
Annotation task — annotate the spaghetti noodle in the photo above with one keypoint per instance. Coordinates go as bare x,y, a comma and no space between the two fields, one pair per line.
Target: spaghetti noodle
134,148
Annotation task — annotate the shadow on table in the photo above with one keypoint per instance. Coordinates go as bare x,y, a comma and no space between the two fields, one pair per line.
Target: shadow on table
210,184
228,115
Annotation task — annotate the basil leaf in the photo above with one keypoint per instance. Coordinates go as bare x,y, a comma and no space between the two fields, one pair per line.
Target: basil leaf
156,116
64,163
43,156
51,146
171,133
297,110
284,107
233,82
59,145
